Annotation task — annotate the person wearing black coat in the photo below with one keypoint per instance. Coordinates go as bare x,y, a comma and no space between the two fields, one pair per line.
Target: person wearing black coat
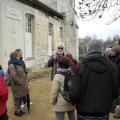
116,60
52,62
95,85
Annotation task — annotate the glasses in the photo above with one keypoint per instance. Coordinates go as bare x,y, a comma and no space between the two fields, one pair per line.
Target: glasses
60,48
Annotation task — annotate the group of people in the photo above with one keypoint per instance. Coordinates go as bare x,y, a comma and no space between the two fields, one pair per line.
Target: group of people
94,89
17,81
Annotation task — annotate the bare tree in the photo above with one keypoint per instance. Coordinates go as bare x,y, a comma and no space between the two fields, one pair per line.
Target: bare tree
89,9
116,37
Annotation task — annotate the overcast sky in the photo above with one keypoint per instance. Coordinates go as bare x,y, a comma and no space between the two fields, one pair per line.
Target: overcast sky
99,27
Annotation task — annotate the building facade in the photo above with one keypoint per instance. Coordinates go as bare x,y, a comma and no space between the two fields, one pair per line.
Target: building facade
32,26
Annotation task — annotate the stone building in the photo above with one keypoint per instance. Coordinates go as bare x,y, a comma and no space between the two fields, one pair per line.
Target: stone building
34,27
67,9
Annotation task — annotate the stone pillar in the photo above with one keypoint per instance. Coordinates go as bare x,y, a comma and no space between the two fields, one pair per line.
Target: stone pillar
66,7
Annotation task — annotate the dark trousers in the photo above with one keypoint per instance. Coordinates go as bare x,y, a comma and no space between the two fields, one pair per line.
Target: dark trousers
17,104
4,117
79,117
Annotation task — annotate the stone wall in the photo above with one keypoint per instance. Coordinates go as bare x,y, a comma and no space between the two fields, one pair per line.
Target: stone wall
66,7
12,33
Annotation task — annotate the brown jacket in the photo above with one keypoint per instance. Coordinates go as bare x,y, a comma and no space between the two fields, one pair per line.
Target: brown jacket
18,83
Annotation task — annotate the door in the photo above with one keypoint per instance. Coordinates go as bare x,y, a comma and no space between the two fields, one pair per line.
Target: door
49,45
28,37
50,40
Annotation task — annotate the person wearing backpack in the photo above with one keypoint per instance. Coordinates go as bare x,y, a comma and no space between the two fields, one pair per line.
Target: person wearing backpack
3,96
60,105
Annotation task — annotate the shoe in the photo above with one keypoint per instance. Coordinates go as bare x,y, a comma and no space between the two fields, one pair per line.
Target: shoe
22,112
18,114
25,104
22,106
31,103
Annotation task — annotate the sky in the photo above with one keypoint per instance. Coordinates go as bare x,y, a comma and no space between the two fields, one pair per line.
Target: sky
98,26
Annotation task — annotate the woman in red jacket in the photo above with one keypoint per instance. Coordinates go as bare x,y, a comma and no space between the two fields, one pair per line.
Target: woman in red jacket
3,97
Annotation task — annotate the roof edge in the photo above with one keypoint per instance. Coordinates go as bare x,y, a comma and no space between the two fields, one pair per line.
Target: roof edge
41,6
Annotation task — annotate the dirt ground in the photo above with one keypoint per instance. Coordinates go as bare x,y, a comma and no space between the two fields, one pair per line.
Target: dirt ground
41,108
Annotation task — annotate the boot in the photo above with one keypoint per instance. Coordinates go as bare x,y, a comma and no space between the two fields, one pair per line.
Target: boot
16,113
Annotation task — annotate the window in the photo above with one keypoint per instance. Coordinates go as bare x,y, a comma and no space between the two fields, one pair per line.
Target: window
28,35
50,29
61,34
28,24
72,3
50,39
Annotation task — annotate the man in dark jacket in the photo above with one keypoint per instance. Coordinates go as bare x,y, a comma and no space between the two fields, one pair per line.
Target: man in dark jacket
52,62
116,60
95,85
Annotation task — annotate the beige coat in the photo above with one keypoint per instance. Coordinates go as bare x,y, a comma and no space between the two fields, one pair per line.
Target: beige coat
18,81
59,103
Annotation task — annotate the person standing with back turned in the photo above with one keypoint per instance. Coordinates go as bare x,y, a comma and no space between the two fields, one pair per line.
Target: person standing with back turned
95,85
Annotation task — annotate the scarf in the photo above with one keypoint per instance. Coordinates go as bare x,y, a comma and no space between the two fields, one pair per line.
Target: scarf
16,62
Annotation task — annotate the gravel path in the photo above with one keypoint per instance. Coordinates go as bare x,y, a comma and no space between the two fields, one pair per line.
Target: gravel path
40,94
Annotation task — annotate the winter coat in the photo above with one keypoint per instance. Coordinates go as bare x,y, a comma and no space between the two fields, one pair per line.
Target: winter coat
18,83
95,85
3,96
53,63
116,60
59,103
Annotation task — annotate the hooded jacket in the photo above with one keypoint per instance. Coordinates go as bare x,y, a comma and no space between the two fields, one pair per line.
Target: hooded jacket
95,86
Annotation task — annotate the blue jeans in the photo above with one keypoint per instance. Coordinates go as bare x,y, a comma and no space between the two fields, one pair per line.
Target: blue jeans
24,99
61,115
79,117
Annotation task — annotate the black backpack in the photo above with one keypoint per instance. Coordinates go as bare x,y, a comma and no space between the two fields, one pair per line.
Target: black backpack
67,84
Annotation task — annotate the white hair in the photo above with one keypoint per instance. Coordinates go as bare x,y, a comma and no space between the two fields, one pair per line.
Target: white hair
60,51
60,45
